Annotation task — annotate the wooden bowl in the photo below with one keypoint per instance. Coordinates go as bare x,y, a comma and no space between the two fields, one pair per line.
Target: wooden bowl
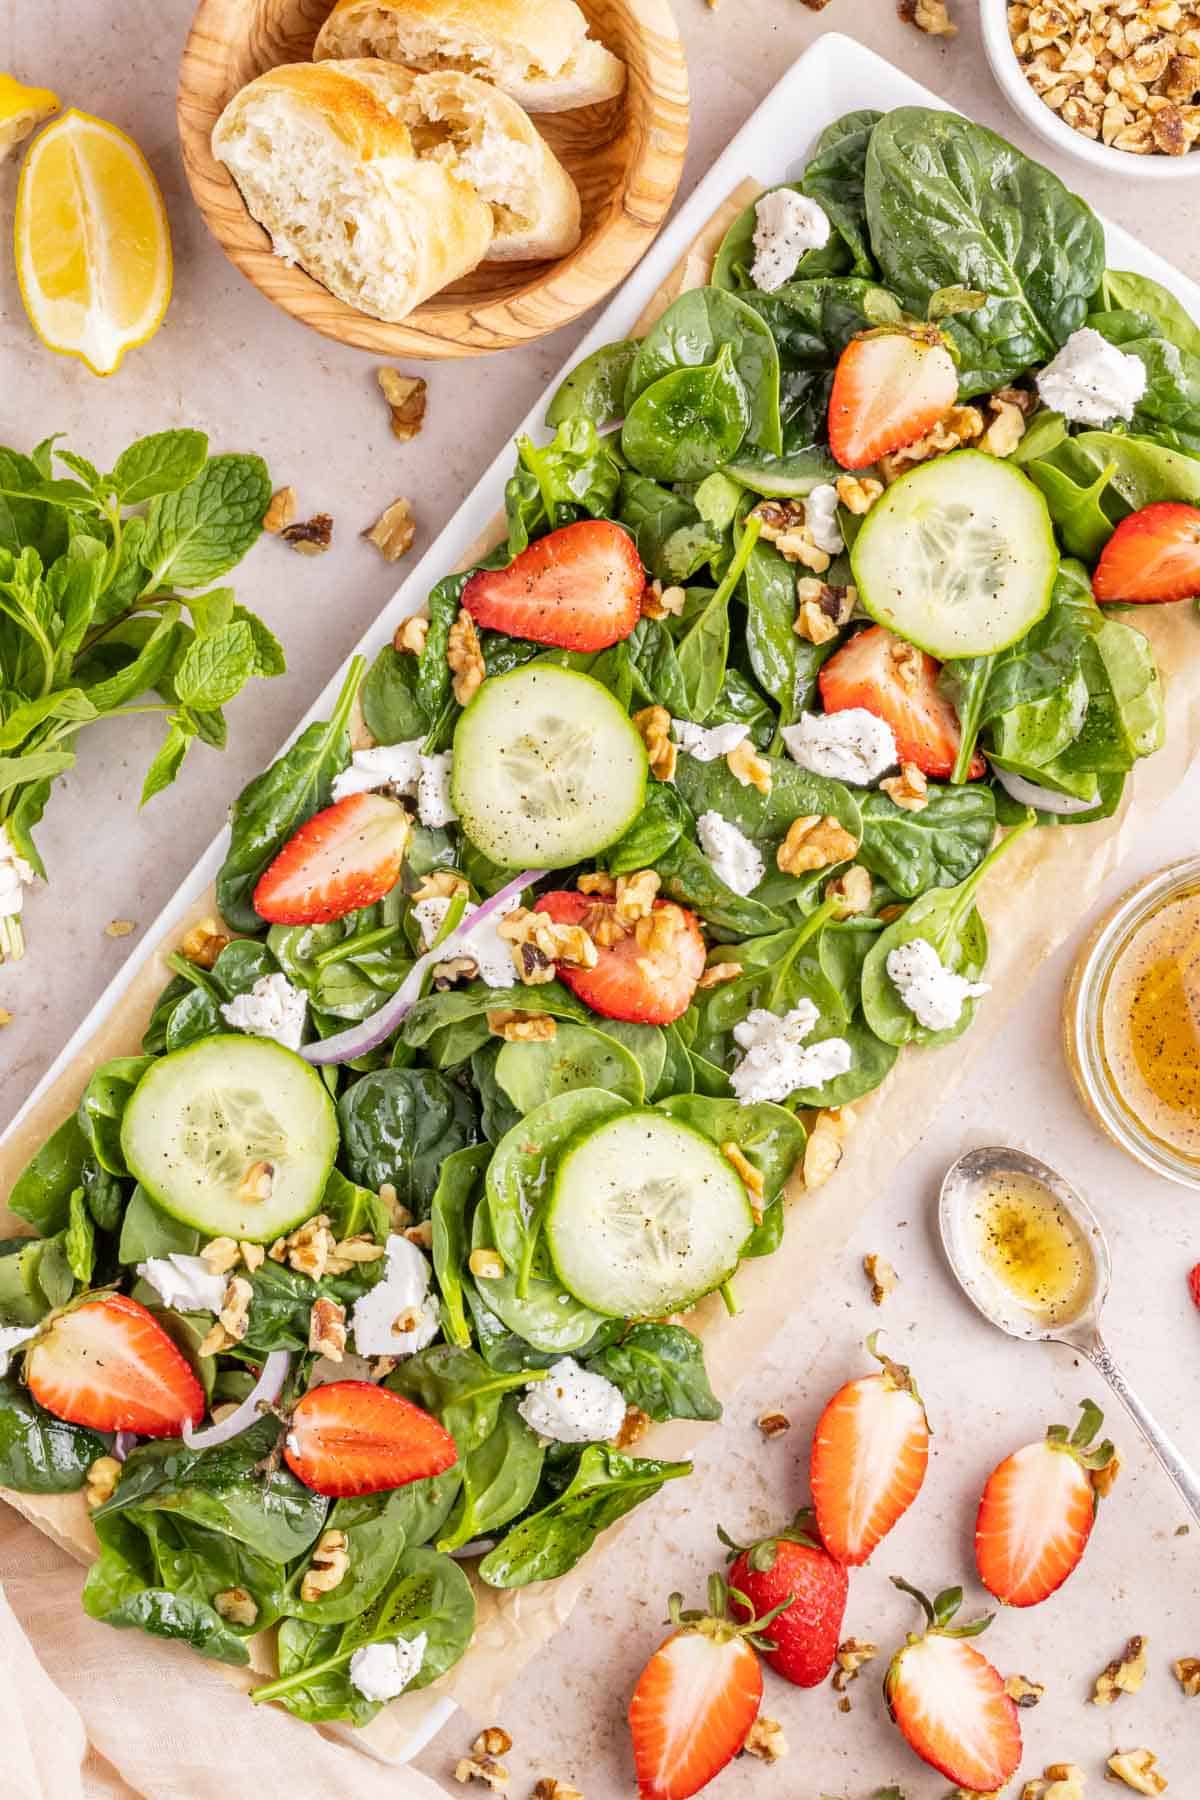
625,155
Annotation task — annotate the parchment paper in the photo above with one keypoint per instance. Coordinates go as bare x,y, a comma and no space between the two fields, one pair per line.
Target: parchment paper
1030,903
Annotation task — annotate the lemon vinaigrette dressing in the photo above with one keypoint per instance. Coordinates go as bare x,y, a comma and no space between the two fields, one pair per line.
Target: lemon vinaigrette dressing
1149,1020
1030,1246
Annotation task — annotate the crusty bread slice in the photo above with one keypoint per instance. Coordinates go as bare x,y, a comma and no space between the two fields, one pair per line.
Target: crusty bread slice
326,163
537,51
488,140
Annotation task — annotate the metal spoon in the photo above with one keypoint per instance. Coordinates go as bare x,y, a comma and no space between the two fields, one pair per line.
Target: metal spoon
1081,1331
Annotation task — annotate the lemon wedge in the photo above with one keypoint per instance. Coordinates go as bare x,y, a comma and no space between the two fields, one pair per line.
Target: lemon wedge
92,242
21,108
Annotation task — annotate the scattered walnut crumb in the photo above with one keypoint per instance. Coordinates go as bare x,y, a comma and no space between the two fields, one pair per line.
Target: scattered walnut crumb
852,890
537,943
309,1247
634,1427
455,969
221,1254
411,633
327,1569
327,1329
882,1277
851,1657
718,973
204,943
821,610
218,1339
484,1769
783,523
281,511
489,1264
399,1215
6,1018
237,1605
1061,1781
407,396
774,1424
659,602
858,493
1186,1670
252,1255
311,537
521,1027
961,425
465,658
234,1315
420,1234
256,1183
550,1789
1124,1675
1139,1770
749,768
823,1151
765,1740
813,842
653,724
1007,426
930,16
493,1740
752,1178
909,790
393,531
119,928
1023,1692
102,1478
357,1249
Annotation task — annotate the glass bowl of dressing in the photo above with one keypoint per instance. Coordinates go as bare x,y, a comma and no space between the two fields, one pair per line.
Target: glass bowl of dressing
1132,1022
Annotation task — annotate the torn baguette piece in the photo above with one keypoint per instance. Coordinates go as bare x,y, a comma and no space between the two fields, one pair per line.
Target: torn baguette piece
326,163
536,51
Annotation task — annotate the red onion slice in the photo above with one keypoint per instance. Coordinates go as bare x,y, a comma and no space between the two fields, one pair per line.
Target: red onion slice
122,1444
1028,793
345,1046
265,1392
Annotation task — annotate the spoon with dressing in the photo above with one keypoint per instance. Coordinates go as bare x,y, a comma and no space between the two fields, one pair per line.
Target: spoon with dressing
1030,1254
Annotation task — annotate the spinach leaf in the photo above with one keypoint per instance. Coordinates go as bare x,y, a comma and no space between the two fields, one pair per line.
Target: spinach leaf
835,175
660,1370
120,1589
42,1191
595,388
391,707
661,823
283,1299
703,646
521,1173
544,1315
692,332
375,1542
102,1108
104,1194
354,1211
459,1388
421,1508
79,1240
1124,291
689,877
938,847
605,1486
734,261
688,422
459,1006
575,1057
147,1231
197,1564
40,1454
575,476
765,818
1168,409
499,1479
1077,510
22,1299
398,1125
768,1136
673,541
950,203
458,1185
1142,471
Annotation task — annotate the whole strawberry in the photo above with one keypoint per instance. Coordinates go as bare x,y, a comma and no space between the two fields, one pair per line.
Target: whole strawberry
792,1568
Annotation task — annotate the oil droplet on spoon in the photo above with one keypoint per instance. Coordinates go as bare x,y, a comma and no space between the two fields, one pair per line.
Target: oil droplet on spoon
1030,1246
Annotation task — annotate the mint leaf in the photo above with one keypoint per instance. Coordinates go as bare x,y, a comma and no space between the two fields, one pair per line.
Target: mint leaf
87,471
214,668
211,610
268,651
198,534
167,763
129,577
160,464
33,766
27,715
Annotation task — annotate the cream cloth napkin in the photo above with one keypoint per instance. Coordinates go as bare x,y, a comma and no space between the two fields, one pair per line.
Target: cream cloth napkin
89,1713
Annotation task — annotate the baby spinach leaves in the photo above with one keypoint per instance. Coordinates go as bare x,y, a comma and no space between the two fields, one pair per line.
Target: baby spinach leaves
42,1191
574,477
122,1589
595,388
937,847
688,422
521,1174
375,1540
577,1056
660,1370
397,1125
835,176
691,334
458,1184
40,1454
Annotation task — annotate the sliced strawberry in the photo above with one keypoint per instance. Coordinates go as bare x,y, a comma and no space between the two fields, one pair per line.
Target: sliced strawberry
1037,1512
649,975
950,1702
346,856
1154,554
351,1437
696,1699
795,1569
109,1364
884,675
869,1454
890,387
578,588
1193,1282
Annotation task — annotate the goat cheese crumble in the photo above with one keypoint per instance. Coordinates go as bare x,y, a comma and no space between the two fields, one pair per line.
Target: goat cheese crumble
385,766
185,1282
787,225
707,744
272,1009
852,746
15,875
735,859
404,1289
932,993
1090,381
821,517
381,1671
777,1061
486,948
573,1405
11,1338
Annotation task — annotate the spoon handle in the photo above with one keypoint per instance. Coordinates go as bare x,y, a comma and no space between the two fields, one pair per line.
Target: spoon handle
1171,1458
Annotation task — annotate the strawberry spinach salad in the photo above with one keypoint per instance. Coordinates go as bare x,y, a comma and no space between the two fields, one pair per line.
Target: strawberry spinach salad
575,932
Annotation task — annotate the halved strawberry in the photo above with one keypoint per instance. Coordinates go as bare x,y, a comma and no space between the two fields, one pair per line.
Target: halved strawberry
1037,1512
881,673
344,857
1154,554
109,1364
649,975
1193,1282
793,1568
351,1437
869,1454
578,588
950,1702
696,1699
890,387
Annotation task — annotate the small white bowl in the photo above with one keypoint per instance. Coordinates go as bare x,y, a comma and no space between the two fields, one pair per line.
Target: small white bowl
1055,131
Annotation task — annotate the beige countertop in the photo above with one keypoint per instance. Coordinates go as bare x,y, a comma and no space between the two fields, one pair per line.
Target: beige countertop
230,363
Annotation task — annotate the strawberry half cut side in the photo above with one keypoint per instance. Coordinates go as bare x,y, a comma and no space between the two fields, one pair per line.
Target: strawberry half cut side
577,588
351,1437
870,1451
346,856
1038,1509
108,1364
1153,555
648,975
890,387
948,1700
887,676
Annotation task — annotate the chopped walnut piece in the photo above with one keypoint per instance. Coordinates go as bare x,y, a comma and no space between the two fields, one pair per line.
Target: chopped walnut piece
102,1478
823,1151
537,943
783,523
653,724
253,1256
858,493
659,602
852,891
465,658
765,1740
634,1427
752,1178
119,928
234,1315
521,1027
278,1251
411,634
406,395
1006,429
1186,1670
550,1789
256,1184
1023,1692
749,768
204,943
493,1740
486,1263
457,968
930,16
961,425
1104,1480
484,1769
221,1254
773,1424
813,842
327,1569
882,1277
420,1234
718,973
1124,1674
1061,1781
393,531
909,790
327,1329
218,1339
821,610
281,511
852,1656
1139,1770
357,1249
441,884
598,882
311,537
237,1605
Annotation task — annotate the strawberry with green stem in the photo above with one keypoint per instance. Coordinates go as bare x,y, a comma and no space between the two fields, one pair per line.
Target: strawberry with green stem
793,1569
949,1701
869,1454
1038,1509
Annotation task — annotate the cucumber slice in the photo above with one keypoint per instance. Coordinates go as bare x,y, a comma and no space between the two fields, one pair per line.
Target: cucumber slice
548,768
958,556
200,1119
645,1217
